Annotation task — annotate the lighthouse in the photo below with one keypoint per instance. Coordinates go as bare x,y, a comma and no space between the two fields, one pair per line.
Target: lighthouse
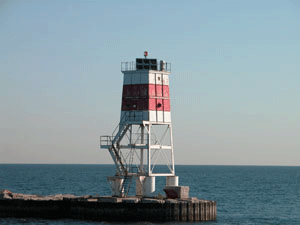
142,144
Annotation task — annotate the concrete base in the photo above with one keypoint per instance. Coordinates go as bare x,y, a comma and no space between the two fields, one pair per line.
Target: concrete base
116,185
172,181
149,186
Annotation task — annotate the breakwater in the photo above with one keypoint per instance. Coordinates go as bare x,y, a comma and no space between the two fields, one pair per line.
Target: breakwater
107,208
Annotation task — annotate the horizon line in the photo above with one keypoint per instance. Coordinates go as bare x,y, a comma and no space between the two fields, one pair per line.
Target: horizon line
157,164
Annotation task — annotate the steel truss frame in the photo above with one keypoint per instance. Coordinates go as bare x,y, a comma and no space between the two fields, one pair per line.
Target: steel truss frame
137,149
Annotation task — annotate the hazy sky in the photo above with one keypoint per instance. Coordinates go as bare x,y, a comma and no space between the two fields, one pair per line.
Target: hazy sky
234,83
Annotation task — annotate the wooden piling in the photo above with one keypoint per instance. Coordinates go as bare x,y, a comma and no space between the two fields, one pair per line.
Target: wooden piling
196,211
190,212
202,211
183,208
176,212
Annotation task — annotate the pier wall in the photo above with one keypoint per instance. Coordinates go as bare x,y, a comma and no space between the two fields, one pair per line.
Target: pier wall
111,209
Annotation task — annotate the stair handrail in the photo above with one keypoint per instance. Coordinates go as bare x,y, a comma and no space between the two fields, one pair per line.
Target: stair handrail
123,120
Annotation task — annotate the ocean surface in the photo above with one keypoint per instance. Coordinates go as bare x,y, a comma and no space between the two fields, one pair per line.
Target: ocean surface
244,194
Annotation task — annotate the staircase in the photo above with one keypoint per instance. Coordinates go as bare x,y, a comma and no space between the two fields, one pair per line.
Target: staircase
126,185
112,144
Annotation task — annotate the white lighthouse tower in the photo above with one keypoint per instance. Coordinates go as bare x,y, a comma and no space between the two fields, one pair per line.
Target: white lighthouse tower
142,144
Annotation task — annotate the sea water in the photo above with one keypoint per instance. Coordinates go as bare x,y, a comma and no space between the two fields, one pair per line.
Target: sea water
244,194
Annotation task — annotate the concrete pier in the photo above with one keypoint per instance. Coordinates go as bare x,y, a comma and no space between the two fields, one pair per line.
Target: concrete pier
107,208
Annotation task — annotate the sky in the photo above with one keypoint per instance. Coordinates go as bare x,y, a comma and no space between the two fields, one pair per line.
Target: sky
234,83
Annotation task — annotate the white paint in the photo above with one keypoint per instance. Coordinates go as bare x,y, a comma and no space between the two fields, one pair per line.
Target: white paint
116,185
172,181
165,79
149,186
151,79
146,115
135,116
136,78
127,78
146,77
152,116
167,117
159,116
158,79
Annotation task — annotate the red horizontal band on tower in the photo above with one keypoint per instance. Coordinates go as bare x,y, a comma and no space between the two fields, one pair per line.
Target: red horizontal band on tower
144,97
145,104
145,90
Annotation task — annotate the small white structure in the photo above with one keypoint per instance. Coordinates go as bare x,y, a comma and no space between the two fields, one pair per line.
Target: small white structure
142,144
172,181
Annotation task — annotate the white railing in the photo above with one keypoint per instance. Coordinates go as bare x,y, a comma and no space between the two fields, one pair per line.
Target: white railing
106,140
130,66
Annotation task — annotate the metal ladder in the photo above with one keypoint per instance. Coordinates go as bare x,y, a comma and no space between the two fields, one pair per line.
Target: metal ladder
115,151
113,142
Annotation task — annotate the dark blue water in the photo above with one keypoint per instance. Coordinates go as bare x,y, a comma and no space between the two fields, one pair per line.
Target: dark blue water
244,194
